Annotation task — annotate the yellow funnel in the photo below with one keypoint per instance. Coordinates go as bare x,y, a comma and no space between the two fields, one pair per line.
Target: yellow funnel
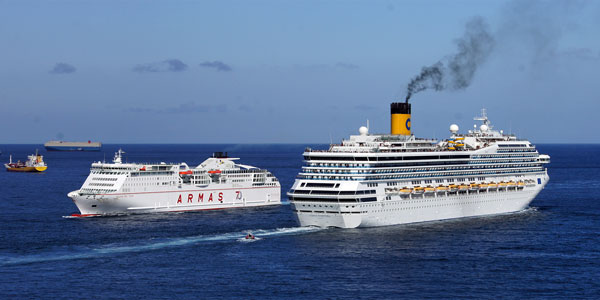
400,118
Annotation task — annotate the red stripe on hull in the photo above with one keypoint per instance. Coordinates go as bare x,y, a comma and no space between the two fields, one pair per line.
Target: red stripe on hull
84,215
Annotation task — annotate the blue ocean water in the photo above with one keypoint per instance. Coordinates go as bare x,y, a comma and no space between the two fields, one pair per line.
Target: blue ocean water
551,250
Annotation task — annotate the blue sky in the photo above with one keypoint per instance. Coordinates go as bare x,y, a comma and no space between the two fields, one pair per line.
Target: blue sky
288,71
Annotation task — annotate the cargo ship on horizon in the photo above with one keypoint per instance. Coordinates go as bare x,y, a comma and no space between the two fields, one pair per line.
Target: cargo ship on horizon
72,146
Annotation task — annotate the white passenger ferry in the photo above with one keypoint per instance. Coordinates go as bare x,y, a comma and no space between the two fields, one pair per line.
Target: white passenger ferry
217,183
376,180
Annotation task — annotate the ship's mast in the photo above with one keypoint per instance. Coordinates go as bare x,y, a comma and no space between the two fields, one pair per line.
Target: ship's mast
484,118
118,156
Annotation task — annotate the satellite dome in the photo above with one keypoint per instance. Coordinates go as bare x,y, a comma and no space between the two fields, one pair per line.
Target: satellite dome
454,128
363,130
483,127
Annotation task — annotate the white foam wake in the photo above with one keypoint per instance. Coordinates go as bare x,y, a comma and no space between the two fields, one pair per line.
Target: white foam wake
88,252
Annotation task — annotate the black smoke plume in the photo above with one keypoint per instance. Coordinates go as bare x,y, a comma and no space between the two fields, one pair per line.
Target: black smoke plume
456,71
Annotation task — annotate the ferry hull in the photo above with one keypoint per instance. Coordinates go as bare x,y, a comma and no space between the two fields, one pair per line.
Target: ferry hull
175,201
424,209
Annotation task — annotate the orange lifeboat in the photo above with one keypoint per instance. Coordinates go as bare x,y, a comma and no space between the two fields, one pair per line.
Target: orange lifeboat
502,185
441,189
405,191
453,188
473,186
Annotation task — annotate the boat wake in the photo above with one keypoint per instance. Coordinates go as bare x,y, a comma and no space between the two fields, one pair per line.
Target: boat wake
245,240
94,252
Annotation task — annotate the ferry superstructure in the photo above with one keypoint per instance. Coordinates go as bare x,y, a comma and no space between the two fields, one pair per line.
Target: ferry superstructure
377,180
217,183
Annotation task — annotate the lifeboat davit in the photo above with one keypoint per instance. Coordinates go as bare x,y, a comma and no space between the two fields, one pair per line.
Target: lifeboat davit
483,186
473,186
429,189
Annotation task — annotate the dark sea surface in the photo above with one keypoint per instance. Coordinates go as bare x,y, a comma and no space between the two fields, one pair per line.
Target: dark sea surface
551,250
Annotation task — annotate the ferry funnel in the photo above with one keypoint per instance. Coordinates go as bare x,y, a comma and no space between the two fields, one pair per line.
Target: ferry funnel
400,118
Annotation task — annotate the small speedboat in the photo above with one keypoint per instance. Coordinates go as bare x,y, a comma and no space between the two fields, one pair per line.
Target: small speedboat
250,236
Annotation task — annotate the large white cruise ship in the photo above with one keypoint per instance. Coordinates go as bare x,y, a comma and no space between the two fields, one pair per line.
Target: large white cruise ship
377,180
217,183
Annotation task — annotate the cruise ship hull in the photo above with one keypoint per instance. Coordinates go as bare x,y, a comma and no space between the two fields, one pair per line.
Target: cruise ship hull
417,209
175,200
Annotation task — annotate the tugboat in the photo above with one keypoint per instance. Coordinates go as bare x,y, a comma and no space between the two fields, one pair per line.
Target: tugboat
34,164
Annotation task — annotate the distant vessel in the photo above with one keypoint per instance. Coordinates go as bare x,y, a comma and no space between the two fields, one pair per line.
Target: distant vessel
72,146
35,163
386,179
217,183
